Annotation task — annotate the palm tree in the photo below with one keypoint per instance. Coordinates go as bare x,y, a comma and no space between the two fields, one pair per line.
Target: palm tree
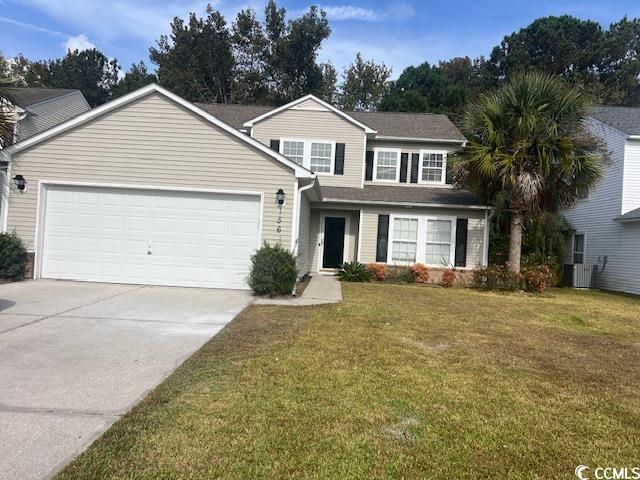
529,149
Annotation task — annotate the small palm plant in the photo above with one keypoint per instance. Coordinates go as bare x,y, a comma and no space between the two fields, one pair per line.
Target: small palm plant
354,272
529,149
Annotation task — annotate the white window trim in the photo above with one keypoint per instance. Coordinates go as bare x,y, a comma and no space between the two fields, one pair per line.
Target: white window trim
422,240
398,151
306,156
444,153
584,248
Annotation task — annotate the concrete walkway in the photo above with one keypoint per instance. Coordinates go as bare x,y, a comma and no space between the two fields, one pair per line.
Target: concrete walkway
322,289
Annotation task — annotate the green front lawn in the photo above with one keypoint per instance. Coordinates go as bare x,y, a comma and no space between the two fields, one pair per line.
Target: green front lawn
395,382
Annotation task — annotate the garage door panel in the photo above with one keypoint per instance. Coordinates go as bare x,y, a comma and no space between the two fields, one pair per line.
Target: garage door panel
106,234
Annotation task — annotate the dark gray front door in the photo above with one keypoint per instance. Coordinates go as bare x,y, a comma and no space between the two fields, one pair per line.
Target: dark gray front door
333,255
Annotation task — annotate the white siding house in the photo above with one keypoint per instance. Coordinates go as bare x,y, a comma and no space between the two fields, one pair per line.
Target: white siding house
606,224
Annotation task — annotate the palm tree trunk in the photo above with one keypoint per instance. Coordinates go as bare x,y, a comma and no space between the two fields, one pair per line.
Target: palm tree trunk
515,241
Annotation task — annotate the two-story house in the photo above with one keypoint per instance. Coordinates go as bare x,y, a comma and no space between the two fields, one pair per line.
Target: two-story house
153,189
606,225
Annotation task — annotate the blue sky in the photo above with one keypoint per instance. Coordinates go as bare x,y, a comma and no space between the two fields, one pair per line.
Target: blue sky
397,32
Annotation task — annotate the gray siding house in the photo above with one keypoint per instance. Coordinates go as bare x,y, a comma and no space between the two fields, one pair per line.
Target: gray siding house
606,224
152,189
38,109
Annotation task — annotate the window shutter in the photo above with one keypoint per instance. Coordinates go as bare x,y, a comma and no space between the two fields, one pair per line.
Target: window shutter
383,238
275,145
449,173
404,160
415,166
368,172
461,242
338,168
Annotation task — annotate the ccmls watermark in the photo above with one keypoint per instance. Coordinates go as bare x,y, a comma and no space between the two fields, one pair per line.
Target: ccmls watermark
607,473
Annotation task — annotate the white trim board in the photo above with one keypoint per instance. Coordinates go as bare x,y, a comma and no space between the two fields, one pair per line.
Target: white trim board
300,100
142,92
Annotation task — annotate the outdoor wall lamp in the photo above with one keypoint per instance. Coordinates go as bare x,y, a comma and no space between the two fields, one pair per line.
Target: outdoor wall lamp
280,197
20,182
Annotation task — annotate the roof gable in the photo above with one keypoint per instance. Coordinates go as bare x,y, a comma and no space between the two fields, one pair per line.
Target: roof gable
140,93
310,102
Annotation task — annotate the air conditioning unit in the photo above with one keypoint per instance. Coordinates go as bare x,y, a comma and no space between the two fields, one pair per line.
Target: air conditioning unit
580,275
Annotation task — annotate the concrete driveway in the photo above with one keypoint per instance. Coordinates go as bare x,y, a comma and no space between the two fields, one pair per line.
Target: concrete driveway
75,356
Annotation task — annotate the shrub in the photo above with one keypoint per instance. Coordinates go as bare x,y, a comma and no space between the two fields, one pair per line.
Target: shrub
448,278
533,278
13,256
402,274
538,278
378,270
421,273
354,272
273,271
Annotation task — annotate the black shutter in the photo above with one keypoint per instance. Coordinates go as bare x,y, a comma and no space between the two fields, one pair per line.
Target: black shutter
383,238
368,172
461,242
404,160
275,145
449,174
338,169
415,165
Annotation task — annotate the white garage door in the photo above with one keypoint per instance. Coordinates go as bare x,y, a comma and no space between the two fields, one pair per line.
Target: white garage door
149,237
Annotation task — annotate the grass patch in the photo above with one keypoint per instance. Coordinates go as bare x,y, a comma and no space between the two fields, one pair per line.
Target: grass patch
398,381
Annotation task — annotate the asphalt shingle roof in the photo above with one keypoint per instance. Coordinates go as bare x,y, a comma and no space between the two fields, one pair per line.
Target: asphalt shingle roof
626,119
391,124
400,194
25,97
632,215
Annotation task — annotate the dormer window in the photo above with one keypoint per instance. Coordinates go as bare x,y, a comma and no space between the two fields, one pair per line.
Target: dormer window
434,165
316,155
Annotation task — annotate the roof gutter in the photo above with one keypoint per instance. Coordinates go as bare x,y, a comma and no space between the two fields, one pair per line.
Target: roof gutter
416,139
408,204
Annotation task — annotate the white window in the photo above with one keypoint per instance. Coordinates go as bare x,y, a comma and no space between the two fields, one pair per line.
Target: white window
316,155
405,240
434,164
386,165
578,248
320,161
422,239
293,150
439,242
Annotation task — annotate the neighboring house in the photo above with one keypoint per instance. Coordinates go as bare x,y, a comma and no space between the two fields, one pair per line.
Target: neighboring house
152,189
37,109
606,224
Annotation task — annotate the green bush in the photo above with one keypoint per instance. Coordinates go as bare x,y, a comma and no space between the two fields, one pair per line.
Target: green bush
13,256
355,272
273,271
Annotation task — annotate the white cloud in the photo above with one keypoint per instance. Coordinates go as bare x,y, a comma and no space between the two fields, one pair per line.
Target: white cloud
29,26
79,42
350,12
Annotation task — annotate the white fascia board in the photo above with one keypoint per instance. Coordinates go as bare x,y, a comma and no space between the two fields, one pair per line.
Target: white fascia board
85,117
416,139
310,96
407,204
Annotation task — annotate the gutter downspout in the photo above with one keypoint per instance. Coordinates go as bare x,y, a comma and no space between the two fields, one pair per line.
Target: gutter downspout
297,217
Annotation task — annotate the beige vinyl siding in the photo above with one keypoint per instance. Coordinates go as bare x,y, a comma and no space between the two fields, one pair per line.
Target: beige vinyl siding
303,237
409,148
52,112
319,125
475,232
352,233
152,142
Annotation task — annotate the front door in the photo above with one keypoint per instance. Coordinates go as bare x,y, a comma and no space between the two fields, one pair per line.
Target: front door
333,255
